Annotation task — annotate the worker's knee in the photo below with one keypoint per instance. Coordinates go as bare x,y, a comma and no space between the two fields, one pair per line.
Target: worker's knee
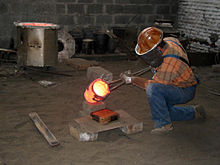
153,89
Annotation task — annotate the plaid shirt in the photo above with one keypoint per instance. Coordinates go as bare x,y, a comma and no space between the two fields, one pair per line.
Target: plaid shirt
172,71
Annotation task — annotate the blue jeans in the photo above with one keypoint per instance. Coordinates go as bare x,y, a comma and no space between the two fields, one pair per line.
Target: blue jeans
162,99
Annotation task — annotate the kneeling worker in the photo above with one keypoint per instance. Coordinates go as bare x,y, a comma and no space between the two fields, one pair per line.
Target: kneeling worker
173,81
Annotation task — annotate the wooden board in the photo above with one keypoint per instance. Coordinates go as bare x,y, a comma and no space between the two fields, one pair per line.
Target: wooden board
86,127
51,139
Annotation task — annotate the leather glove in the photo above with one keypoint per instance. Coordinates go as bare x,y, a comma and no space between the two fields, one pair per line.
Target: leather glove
126,77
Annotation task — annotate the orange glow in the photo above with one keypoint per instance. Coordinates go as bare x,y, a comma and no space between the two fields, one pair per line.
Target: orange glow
97,91
38,24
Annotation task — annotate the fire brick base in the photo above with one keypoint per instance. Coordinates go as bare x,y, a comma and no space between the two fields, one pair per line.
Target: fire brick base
86,129
87,108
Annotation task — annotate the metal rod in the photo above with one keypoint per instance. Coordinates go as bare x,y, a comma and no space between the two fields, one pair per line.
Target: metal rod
115,87
7,50
214,92
138,73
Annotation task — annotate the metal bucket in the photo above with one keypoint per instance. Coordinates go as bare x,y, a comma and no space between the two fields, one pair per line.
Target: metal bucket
36,44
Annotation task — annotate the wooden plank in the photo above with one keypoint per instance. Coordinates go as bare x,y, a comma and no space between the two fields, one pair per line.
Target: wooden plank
87,129
94,126
51,139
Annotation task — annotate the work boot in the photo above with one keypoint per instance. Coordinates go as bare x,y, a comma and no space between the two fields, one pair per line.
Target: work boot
199,112
162,130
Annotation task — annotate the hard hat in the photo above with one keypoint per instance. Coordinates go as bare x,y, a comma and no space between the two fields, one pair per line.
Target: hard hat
148,39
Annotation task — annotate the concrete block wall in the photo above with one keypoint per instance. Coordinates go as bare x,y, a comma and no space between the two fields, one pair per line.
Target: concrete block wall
70,14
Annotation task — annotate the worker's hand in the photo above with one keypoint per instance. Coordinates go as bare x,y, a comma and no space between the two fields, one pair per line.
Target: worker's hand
126,77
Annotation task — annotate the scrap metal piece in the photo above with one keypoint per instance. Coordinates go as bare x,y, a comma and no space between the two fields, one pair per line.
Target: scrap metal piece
51,139
46,83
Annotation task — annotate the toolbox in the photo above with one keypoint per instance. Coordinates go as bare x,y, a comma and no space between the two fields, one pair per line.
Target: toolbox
104,116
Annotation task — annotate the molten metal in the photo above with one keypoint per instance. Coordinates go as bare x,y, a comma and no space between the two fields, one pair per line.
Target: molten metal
97,91
37,24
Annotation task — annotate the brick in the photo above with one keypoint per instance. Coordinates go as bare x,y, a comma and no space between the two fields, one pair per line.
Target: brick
163,9
114,9
4,42
174,9
85,1
170,17
42,8
146,9
133,128
66,19
85,20
161,2
104,1
60,9
93,9
141,1
138,20
3,8
131,9
124,19
150,19
75,8
66,1
122,1
95,72
104,19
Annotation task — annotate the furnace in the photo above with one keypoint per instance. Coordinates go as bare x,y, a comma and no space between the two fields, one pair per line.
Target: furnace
37,44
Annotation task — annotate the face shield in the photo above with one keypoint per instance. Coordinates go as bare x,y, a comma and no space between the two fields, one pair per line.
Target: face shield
153,58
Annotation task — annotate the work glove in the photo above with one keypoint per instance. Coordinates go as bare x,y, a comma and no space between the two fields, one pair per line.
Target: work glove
126,77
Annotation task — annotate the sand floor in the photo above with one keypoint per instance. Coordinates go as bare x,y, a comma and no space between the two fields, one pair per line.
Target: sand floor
191,143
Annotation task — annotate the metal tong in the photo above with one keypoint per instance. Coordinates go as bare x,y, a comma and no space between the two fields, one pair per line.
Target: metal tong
138,73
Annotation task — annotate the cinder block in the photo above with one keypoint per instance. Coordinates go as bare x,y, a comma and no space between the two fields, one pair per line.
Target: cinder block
60,8
133,128
87,108
104,1
85,1
216,68
86,19
80,133
104,19
95,8
122,19
79,63
75,8
95,72
163,9
114,9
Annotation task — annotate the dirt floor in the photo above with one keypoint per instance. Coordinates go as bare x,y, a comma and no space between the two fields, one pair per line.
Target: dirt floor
191,143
